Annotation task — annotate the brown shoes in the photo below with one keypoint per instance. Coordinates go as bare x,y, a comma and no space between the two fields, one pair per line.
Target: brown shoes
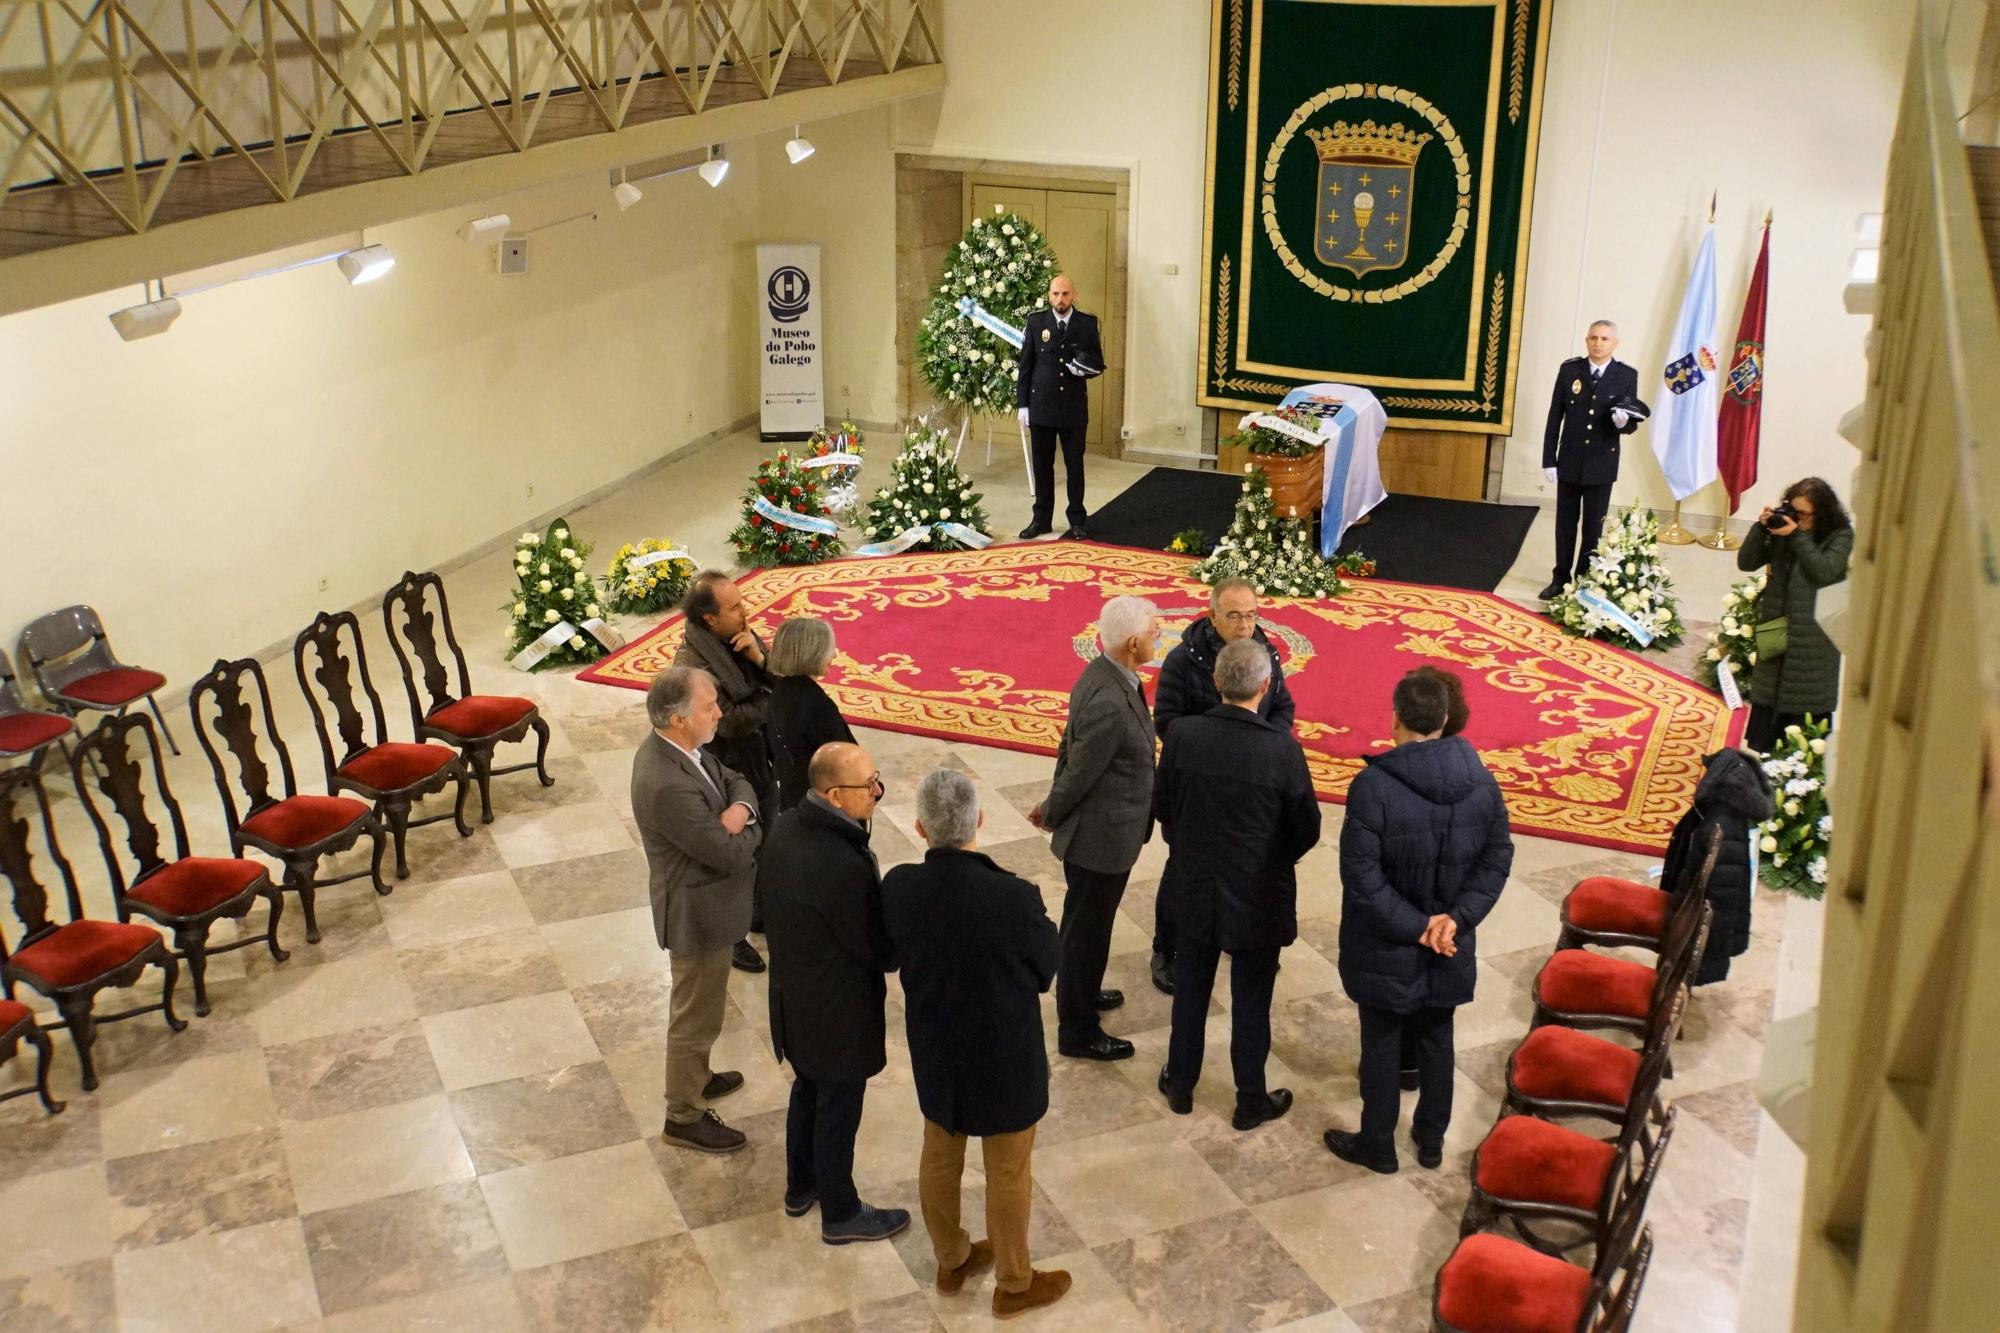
951,1280
1043,1289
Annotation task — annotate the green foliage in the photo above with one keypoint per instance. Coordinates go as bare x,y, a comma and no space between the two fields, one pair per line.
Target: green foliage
926,487
1276,554
1004,264
1797,839
551,588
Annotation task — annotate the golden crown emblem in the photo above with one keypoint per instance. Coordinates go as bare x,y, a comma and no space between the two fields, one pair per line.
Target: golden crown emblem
1369,142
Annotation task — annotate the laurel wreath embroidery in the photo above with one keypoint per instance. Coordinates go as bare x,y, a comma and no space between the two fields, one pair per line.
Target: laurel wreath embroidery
1517,69
1235,51
1219,358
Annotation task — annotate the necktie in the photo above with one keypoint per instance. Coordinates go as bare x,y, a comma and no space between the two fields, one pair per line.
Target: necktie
1596,373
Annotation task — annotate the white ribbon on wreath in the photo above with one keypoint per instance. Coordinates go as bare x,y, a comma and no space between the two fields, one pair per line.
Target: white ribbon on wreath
561,632
1282,426
909,537
1594,600
825,527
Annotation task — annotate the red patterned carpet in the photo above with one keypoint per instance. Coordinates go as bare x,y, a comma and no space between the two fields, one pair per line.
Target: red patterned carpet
1590,743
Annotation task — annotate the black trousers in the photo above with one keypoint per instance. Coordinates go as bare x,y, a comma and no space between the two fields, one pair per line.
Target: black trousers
1089,908
1574,500
1252,974
1381,1054
1761,732
820,1126
1042,440
1166,932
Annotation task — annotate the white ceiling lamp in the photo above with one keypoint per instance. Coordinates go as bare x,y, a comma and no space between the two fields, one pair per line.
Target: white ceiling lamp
485,231
798,148
625,193
366,264
147,319
714,169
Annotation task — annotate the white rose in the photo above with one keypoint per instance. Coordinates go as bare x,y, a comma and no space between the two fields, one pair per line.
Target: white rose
545,585
1793,730
520,609
595,610
1631,568
1769,844
1819,745
545,569
551,616
1791,807
1006,229
568,554
944,513
576,641
1753,659
1715,654
928,488
581,577
568,594
560,534
529,539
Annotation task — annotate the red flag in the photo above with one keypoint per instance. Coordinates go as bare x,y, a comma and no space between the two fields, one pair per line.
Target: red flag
1743,392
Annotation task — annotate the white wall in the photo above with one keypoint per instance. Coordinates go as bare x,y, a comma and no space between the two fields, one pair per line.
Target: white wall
1786,105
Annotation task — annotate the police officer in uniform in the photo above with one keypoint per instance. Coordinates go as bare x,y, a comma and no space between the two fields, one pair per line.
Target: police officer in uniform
1580,445
1059,355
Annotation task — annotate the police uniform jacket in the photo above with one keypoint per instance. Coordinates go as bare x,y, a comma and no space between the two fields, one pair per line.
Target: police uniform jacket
1580,442
1042,383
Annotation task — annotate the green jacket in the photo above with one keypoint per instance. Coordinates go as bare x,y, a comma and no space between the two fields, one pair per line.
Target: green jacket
1805,678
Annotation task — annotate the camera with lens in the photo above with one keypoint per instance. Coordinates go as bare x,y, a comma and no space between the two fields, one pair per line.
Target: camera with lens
1781,515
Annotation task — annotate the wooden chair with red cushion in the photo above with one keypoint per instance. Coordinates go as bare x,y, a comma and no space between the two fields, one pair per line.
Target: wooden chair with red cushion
17,1024
1491,1284
296,830
1610,912
24,730
75,669
69,961
475,723
1560,1072
185,893
391,774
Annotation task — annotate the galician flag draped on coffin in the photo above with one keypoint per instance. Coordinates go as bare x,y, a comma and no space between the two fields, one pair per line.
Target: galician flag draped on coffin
1352,420
1684,421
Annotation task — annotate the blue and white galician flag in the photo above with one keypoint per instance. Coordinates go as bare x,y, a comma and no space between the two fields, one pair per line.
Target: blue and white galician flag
1352,421
1684,416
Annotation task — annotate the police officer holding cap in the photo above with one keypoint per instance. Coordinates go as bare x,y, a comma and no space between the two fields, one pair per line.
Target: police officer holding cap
1059,355
1595,402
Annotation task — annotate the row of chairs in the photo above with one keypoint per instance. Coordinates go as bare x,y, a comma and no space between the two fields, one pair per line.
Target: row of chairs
370,781
1535,1173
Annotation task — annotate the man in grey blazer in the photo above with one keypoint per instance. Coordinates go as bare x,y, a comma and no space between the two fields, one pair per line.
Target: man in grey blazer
698,822
1100,808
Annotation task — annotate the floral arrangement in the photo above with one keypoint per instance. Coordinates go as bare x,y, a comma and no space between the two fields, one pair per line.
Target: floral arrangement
1626,571
782,484
1355,565
1277,555
1794,842
1190,541
845,438
926,487
1734,638
551,588
636,585
1276,443
1005,264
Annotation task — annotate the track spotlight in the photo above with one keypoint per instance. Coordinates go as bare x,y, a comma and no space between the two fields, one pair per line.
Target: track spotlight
714,169
144,321
626,194
366,264
798,148
485,231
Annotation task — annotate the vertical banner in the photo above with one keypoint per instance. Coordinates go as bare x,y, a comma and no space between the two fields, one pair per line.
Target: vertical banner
793,403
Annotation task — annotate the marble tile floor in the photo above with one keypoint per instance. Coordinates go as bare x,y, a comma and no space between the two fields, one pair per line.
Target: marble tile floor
446,1114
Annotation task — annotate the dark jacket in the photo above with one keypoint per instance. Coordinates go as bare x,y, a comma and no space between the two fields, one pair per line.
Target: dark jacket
1100,801
1236,805
1735,794
1425,835
1187,680
823,920
800,720
1805,678
1042,382
1579,441
744,690
977,949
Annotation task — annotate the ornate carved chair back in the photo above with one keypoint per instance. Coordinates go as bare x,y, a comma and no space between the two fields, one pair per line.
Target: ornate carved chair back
321,644
418,636
123,748
227,694
24,802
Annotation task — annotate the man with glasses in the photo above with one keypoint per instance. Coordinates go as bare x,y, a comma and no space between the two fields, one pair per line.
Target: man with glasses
1187,689
823,920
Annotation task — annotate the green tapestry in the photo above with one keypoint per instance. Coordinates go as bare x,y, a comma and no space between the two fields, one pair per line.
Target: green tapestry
1370,171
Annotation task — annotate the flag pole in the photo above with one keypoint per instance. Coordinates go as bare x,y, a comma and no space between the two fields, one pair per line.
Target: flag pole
1674,534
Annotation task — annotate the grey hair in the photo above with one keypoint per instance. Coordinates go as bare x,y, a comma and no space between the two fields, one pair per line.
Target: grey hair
1241,669
1230,584
671,694
801,647
948,808
1602,324
1123,618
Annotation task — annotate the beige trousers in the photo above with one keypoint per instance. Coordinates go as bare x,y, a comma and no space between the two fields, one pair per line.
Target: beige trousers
1010,1188
696,1003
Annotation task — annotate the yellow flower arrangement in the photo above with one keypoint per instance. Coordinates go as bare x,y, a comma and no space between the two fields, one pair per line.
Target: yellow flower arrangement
649,575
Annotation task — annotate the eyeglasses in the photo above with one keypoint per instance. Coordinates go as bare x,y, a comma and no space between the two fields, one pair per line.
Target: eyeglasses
1240,617
873,784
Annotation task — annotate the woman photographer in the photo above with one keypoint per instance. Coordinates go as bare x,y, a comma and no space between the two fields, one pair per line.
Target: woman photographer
1806,540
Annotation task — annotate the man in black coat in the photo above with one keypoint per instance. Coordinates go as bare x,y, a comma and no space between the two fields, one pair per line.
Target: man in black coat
1580,445
1236,804
1186,688
1424,853
1060,355
829,949
977,950
720,641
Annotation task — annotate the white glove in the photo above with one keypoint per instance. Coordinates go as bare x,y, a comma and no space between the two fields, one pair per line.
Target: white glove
1550,474
1619,417
1023,415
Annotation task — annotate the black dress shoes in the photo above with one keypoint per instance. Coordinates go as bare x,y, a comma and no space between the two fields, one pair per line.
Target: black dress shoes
1180,1103
721,1084
1034,530
1107,1000
1348,1148
1430,1156
1163,973
1103,1046
1273,1107
1553,591
1075,533
745,958
706,1133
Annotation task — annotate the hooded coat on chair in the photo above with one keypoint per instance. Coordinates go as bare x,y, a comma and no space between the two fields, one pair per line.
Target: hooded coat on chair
1734,793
